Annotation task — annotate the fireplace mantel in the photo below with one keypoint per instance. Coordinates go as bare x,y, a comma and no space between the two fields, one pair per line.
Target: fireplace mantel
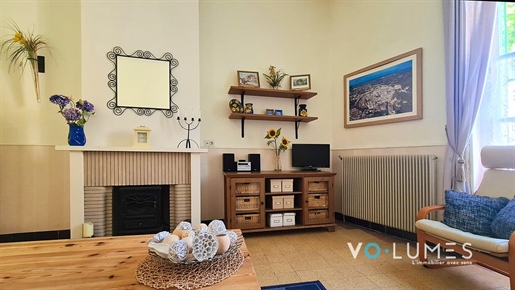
77,179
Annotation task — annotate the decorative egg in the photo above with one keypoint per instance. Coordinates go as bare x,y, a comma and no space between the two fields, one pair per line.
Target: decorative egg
170,239
201,226
217,227
189,242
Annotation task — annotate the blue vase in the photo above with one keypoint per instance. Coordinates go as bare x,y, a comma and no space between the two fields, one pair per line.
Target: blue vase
76,136
303,111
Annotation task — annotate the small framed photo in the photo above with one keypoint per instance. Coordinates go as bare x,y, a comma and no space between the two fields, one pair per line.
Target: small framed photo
300,82
269,111
278,112
248,78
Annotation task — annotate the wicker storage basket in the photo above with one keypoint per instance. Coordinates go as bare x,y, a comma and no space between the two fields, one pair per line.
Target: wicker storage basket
317,186
247,188
250,203
318,200
318,214
247,218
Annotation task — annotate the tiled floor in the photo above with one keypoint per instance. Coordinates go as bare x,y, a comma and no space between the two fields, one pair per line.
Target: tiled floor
316,254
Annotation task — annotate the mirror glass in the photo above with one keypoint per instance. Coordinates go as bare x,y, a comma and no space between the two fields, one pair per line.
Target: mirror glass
142,83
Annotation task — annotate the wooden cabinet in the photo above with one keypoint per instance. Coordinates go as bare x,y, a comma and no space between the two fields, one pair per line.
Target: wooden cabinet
250,199
284,94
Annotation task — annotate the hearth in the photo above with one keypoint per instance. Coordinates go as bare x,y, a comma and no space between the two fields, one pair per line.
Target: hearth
141,209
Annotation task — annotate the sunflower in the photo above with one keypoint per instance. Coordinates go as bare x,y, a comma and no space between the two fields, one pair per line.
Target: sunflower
285,142
272,133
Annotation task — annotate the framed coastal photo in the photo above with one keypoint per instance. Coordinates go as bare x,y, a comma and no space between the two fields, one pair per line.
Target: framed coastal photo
278,112
269,111
248,78
300,82
386,92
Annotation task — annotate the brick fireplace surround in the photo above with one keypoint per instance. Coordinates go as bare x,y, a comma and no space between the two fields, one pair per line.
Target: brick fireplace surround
95,167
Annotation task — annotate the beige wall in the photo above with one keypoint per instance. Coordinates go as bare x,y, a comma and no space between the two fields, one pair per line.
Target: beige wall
212,40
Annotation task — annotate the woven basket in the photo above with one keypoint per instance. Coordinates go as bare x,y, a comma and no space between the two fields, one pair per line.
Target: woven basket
318,214
247,203
317,186
318,200
247,188
247,218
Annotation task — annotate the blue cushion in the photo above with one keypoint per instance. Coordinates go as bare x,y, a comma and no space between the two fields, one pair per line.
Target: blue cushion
504,223
471,213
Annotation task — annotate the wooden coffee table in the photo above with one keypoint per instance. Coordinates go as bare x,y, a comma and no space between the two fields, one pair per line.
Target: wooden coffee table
91,263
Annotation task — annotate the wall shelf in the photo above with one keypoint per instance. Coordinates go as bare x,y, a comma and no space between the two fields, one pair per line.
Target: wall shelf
285,94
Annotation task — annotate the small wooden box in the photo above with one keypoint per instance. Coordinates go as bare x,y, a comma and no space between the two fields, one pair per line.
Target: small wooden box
275,185
318,200
275,220
287,185
277,202
250,203
288,219
288,201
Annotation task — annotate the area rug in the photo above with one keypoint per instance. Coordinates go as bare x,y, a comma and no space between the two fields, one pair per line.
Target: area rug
313,285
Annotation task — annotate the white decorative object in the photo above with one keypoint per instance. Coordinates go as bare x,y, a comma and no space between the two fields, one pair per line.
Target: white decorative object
217,227
205,246
190,233
159,237
201,226
233,236
224,241
178,251
184,225
142,137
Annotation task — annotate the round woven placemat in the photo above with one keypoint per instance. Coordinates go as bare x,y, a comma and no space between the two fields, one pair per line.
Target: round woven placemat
160,274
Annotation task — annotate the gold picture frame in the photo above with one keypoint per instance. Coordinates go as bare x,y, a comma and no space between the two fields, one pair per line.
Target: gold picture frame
300,82
248,79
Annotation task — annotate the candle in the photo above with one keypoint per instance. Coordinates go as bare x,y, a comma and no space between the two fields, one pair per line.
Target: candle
185,114
192,115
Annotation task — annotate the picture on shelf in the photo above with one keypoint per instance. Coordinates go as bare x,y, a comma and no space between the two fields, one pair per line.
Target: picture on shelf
278,112
248,79
300,82
269,111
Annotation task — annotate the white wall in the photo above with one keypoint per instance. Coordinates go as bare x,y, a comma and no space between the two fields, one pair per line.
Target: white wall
367,32
155,26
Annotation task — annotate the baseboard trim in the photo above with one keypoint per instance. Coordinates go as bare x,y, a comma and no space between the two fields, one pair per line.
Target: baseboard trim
377,227
35,236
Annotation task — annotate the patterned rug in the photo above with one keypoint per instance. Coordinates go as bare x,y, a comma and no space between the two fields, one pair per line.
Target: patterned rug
313,285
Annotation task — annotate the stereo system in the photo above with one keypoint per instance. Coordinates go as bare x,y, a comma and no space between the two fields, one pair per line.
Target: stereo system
231,165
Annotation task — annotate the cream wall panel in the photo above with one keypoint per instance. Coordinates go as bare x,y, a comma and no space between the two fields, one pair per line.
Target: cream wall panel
155,26
367,32
23,121
251,35
34,189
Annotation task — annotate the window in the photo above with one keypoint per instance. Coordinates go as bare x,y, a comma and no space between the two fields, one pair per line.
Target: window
495,123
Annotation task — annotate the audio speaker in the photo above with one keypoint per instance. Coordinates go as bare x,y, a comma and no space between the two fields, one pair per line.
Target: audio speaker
229,165
255,162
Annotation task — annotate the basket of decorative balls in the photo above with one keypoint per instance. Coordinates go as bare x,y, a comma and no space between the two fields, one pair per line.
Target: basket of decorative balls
186,245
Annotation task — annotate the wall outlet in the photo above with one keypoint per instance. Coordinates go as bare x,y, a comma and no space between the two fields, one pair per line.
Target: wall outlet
209,143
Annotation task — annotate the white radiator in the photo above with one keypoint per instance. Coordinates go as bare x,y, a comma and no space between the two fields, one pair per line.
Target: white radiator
388,190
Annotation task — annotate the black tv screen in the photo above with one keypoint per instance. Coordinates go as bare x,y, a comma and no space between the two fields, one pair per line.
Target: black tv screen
310,156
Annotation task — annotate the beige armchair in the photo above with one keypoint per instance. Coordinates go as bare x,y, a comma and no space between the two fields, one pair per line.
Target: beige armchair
496,254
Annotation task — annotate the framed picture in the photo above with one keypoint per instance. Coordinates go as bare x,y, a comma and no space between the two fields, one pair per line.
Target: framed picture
386,92
269,111
248,78
278,112
300,82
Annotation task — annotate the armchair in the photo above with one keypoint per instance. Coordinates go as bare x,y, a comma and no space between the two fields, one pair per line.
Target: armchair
494,253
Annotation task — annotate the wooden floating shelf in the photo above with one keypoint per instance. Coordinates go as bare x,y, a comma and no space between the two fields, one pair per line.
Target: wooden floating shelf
287,94
265,117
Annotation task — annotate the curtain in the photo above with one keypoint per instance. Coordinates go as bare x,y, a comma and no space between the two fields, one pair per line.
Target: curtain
468,36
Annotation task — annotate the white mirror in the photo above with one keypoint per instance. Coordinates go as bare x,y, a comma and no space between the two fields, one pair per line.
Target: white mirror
142,83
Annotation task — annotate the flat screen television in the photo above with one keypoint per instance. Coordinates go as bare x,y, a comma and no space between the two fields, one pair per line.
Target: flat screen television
310,157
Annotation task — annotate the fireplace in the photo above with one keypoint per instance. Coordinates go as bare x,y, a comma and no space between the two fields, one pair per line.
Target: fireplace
140,209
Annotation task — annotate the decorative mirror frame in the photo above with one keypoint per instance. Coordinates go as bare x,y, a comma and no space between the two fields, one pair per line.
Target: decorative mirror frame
113,82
